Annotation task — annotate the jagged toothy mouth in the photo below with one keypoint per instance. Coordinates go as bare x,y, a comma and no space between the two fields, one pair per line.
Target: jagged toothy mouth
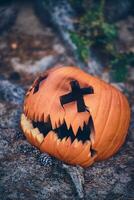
63,132
38,132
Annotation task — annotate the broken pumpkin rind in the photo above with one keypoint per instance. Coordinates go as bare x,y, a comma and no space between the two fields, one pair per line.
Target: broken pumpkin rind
107,107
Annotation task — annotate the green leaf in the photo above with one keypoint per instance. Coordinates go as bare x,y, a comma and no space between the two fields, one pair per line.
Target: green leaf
109,31
82,45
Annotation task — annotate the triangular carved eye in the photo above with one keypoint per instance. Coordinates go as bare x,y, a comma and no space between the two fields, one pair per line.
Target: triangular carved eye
77,95
37,83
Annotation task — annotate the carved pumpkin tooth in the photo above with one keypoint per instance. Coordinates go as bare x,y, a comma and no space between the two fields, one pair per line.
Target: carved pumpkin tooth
75,143
40,138
86,121
34,117
69,141
52,123
28,135
37,130
26,123
39,118
75,128
57,124
22,117
86,114
27,113
61,121
64,140
55,136
34,133
58,141
80,127
67,124
42,117
28,126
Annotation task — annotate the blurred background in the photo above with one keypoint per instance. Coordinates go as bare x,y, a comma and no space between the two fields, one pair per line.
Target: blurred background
95,35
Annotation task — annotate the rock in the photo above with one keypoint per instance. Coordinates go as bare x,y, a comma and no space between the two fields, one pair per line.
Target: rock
21,175
131,74
31,26
21,172
106,76
77,176
8,13
32,68
110,179
125,35
9,115
120,86
94,67
58,16
122,8
10,92
11,98
45,160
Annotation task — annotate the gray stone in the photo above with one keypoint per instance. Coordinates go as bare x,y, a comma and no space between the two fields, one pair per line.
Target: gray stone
10,92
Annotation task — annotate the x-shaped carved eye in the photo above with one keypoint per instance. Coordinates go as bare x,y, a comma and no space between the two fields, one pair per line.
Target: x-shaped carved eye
77,95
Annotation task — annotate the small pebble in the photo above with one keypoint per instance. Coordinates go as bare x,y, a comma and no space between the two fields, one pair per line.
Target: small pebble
45,160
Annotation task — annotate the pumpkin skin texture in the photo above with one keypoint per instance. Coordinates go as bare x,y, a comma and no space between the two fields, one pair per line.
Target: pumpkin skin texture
74,116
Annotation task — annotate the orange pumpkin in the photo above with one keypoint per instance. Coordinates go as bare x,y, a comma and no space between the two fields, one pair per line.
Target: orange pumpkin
74,116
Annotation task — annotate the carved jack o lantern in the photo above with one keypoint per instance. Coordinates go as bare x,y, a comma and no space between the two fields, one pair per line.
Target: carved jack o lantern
74,116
